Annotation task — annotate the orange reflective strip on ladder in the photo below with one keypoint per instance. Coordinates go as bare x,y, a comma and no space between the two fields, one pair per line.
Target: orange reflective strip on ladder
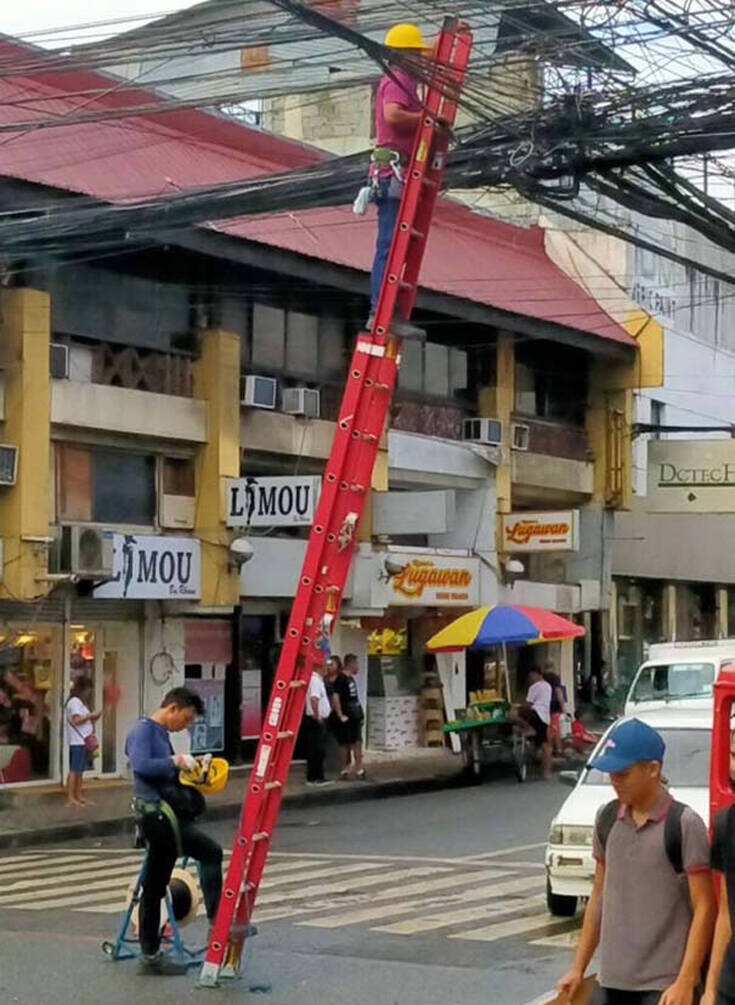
345,485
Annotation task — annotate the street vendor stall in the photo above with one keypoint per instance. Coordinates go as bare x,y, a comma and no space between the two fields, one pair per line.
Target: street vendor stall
490,729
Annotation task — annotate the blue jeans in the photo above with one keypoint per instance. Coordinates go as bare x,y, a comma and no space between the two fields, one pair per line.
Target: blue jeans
387,215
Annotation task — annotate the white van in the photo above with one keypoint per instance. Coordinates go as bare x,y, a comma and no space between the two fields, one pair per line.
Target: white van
678,675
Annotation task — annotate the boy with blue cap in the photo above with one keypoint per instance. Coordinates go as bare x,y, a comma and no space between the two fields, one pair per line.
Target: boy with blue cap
652,906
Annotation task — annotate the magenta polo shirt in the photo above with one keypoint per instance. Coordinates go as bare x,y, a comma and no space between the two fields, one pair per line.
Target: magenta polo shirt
403,92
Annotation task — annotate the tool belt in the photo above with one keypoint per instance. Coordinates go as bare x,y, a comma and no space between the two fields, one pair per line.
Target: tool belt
142,807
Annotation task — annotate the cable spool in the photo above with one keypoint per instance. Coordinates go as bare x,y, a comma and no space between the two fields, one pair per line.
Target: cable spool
185,900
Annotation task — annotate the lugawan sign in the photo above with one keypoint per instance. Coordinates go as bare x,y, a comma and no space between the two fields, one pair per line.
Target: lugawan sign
423,579
153,567
691,476
546,531
272,502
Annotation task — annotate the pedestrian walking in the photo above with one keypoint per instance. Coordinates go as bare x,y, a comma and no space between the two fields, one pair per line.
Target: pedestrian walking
165,812
398,112
316,715
349,719
720,986
652,906
80,737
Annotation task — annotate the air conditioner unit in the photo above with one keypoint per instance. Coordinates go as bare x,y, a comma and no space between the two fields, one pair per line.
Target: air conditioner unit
483,431
86,552
176,511
59,361
258,392
520,435
8,464
301,401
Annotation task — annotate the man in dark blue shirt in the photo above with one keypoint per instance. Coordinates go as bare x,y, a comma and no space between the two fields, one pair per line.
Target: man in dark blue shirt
168,832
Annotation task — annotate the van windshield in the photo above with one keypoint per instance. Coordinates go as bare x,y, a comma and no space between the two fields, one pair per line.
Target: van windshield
686,761
672,681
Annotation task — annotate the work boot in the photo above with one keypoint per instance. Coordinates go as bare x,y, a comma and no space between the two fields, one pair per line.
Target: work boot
403,329
160,965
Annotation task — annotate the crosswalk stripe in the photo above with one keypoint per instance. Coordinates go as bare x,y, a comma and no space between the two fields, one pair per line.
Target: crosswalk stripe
68,894
449,918
504,929
567,940
381,911
69,873
360,882
23,865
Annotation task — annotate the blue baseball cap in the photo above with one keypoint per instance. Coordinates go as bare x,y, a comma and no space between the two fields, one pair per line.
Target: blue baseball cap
628,743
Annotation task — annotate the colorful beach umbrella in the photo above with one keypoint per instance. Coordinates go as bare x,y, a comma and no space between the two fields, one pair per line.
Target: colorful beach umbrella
503,624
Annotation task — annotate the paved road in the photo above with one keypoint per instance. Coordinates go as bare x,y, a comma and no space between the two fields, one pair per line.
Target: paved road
416,899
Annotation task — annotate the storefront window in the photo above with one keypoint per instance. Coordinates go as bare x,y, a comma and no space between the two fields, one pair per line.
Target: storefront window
29,697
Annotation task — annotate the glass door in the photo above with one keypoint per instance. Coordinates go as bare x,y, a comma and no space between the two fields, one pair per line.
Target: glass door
88,658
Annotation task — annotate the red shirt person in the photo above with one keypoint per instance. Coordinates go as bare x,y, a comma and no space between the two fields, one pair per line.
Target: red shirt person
398,112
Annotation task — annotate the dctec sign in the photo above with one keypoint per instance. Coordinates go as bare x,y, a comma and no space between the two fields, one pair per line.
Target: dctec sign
272,502
408,579
152,567
546,531
691,476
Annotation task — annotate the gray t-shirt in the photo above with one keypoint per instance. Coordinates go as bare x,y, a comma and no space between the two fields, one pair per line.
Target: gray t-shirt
646,910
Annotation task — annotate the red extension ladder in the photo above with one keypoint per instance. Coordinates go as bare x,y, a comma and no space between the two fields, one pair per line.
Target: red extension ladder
345,487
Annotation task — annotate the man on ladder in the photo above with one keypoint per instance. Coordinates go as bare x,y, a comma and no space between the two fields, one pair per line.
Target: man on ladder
398,112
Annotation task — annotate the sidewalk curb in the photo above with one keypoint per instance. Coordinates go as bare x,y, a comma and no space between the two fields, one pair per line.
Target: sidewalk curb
339,795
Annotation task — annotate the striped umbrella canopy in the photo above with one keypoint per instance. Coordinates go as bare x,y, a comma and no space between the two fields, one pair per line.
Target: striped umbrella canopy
503,624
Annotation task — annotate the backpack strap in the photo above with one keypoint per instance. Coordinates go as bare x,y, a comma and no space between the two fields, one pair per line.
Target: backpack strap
605,821
672,836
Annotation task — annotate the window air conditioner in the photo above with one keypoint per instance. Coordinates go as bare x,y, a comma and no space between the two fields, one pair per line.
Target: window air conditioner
86,551
301,401
8,464
59,361
520,435
488,431
258,392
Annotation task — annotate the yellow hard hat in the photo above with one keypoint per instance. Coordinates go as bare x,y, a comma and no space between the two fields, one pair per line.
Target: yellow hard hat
405,36
209,776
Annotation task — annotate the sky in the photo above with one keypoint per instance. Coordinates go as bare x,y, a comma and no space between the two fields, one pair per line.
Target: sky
33,16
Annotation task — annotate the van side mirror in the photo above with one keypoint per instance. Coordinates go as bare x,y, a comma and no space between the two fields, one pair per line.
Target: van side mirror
569,778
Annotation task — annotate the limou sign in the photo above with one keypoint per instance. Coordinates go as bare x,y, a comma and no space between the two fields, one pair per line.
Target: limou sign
272,502
153,567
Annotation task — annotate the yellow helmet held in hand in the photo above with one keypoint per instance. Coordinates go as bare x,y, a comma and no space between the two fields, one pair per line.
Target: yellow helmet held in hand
209,776
405,36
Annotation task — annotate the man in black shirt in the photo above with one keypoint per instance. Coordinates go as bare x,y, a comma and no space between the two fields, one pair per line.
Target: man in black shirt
349,718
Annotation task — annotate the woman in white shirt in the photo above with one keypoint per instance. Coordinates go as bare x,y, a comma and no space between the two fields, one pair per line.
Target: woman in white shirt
79,725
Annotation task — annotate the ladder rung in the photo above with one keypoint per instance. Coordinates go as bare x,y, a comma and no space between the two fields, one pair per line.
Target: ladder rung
285,734
370,437
261,836
357,488
430,182
297,683
272,785
405,285
418,234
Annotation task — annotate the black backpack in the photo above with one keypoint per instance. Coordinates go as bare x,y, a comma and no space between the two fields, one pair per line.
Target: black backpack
672,830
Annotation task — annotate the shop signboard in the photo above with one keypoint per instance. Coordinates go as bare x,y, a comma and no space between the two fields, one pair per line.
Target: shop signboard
425,579
541,531
691,476
208,731
272,502
153,567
